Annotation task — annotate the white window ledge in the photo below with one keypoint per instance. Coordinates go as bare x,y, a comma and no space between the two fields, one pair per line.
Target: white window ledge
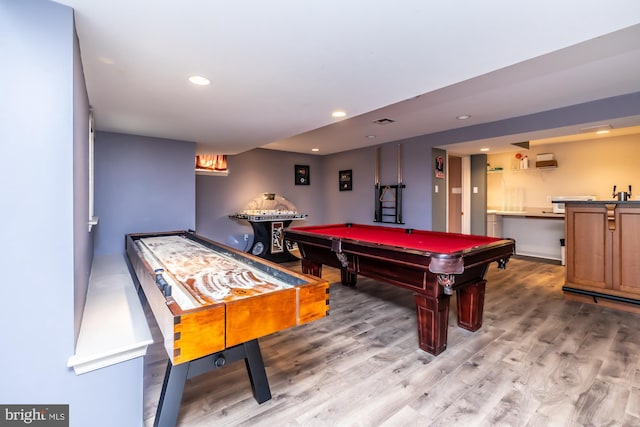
212,173
114,328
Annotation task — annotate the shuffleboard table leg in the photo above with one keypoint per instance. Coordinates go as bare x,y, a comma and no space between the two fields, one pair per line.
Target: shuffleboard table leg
256,371
171,395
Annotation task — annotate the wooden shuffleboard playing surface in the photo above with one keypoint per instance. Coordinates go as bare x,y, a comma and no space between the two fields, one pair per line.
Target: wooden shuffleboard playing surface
206,276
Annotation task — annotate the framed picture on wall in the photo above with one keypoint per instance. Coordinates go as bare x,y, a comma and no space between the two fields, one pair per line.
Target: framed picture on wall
301,174
439,168
345,180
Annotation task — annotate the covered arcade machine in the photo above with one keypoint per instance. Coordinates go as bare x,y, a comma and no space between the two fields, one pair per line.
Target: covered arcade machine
269,214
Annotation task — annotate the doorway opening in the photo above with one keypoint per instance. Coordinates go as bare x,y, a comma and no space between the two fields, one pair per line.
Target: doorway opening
458,198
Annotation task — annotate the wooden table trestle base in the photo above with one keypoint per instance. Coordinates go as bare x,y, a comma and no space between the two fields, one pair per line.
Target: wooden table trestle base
177,375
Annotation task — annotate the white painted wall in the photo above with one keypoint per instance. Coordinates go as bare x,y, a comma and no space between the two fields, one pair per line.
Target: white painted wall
588,167
47,248
536,237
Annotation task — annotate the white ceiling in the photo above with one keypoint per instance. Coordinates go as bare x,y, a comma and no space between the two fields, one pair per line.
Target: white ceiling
279,68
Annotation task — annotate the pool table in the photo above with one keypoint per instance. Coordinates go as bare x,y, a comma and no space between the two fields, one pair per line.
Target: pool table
431,264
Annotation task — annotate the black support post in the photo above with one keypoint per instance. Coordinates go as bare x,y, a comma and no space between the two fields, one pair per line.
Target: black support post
176,376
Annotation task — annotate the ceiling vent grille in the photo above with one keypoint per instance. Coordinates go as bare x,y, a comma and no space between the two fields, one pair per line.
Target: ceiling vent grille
384,121
523,144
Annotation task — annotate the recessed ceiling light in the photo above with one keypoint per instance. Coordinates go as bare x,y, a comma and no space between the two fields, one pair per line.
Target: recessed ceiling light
371,136
338,114
463,117
199,80
484,149
315,149
600,129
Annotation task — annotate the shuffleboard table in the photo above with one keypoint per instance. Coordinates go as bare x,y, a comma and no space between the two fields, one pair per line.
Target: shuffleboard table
212,302
431,264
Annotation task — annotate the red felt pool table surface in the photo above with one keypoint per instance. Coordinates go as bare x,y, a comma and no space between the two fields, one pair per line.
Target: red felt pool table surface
427,241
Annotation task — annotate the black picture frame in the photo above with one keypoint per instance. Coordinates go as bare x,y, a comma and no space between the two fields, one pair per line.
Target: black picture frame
345,180
302,175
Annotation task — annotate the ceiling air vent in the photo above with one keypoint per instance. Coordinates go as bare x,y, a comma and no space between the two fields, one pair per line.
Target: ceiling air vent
383,121
523,144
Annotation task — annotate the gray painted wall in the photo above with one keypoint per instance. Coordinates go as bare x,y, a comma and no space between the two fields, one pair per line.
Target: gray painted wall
479,199
37,202
44,175
358,206
48,248
82,238
258,171
252,173
603,109
143,185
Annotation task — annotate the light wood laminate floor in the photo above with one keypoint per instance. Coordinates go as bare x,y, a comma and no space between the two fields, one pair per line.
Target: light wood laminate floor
538,360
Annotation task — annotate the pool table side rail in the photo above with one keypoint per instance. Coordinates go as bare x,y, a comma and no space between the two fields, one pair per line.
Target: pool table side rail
444,263
369,229
194,333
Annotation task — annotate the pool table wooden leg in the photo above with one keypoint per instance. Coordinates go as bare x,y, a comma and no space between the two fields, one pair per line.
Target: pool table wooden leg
348,278
433,320
310,267
470,305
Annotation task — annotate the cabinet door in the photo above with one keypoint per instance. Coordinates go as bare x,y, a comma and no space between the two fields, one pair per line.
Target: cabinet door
626,250
588,247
